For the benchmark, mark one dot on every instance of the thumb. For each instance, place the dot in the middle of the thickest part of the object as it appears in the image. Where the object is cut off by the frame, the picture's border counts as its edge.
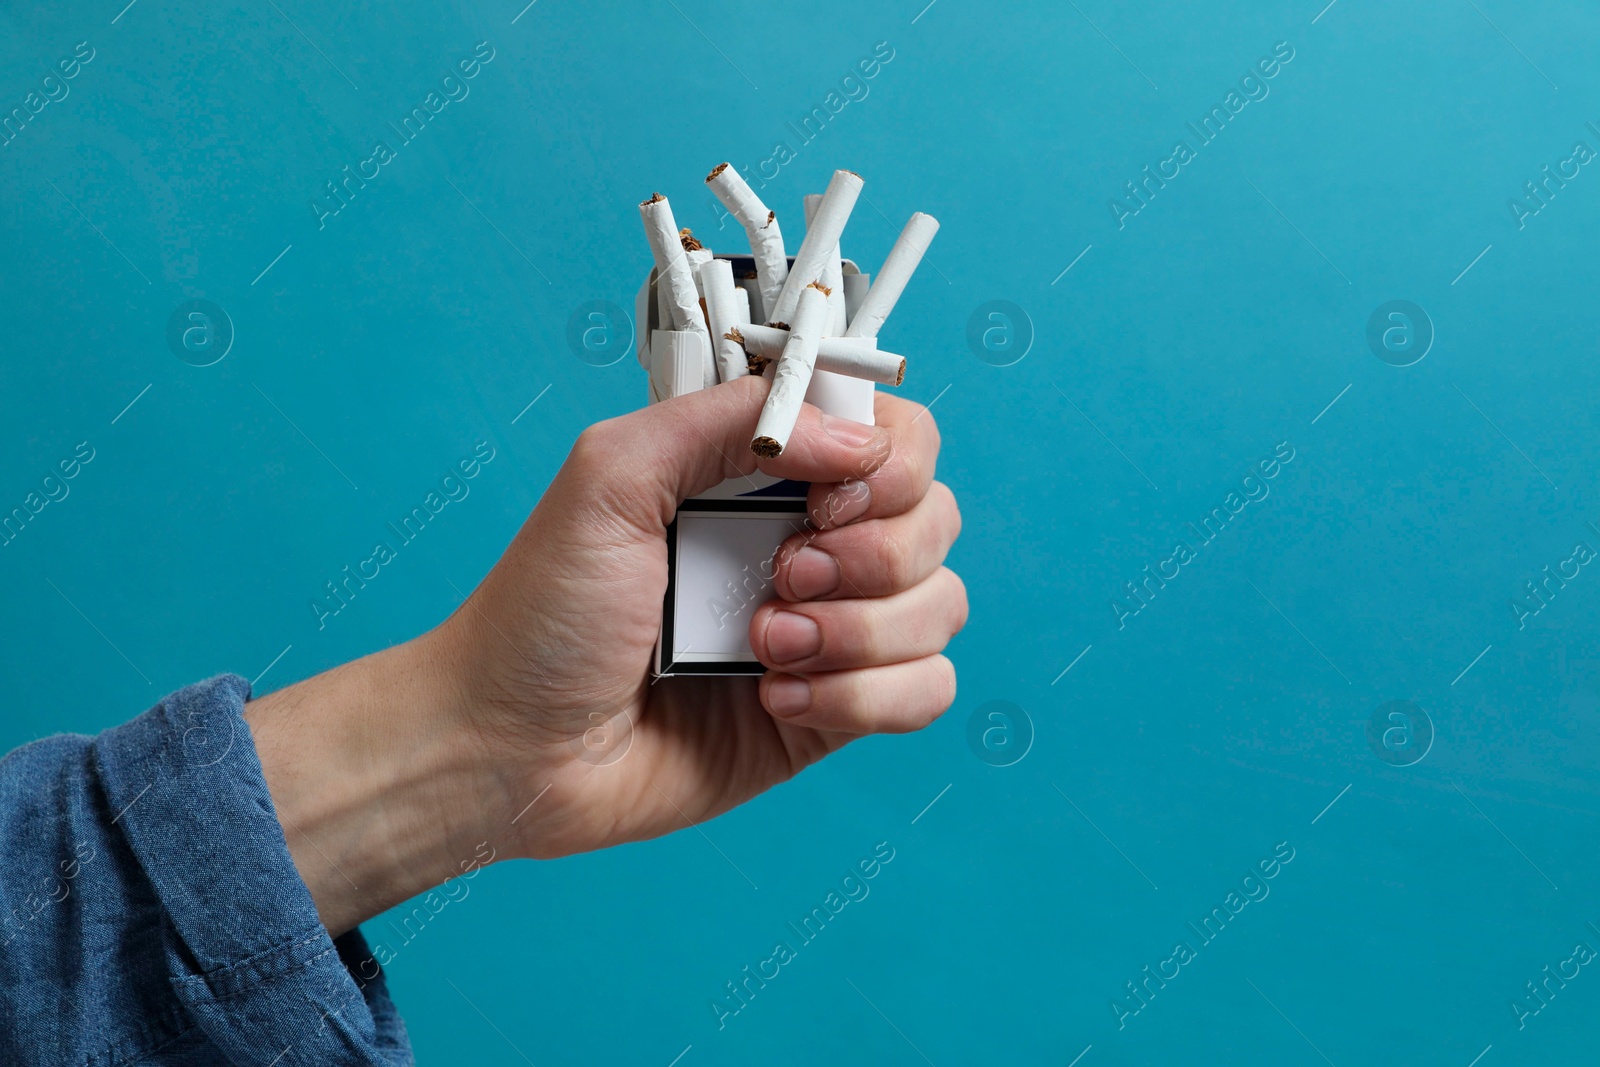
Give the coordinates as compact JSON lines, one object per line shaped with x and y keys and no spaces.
{"x":639,"y":467}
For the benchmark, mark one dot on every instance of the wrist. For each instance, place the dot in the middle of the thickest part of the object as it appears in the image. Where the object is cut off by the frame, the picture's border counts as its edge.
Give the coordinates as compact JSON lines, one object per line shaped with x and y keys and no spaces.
{"x":379,"y":784}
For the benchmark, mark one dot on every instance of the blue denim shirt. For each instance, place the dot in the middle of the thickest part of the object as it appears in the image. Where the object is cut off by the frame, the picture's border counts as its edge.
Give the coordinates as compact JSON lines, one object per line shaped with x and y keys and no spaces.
{"x":150,"y":913}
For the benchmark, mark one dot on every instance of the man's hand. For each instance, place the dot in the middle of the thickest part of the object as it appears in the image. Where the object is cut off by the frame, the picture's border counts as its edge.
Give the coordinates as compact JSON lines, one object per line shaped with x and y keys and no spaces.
{"x":529,"y":719}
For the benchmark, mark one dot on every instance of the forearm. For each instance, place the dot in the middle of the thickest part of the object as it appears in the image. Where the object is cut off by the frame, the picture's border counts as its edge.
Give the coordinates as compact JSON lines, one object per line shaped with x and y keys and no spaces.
{"x":378,"y":781}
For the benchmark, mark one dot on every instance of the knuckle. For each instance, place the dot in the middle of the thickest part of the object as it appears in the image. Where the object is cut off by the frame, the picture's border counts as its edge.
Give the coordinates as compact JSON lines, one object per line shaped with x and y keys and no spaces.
{"x":839,"y":692}
{"x":916,"y":471}
{"x":862,"y":630}
{"x":949,"y":510}
{"x":835,"y":499}
{"x":879,"y":451}
{"x":893,"y":566}
{"x":593,"y":446}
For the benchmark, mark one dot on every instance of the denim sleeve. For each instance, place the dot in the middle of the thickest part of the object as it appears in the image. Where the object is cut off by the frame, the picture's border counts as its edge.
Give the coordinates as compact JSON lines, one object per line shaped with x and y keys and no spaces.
{"x":150,"y":912}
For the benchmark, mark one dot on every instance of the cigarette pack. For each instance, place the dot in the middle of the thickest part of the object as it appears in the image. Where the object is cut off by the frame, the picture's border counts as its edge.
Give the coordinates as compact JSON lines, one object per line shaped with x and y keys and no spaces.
{"x":809,"y":323}
{"x":721,"y":546}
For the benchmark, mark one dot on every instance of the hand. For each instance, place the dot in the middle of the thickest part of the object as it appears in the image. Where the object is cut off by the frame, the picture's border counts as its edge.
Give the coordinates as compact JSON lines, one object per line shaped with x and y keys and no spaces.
{"x":534,"y":706}
{"x":565,"y":626}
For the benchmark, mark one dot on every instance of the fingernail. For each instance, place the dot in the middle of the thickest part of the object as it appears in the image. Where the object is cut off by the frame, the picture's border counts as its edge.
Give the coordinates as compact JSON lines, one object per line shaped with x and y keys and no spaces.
{"x":812,"y":573}
{"x":792,"y":636}
{"x":848,"y":431}
{"x":848,"y":502}
{"x":788,"y":695}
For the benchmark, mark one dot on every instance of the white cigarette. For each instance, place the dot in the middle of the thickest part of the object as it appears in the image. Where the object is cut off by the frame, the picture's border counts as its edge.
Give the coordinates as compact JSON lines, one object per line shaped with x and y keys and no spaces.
{"x":696,"y":253}
{"x":644,"y":311}
{"x":722,"y":315}
{"x":760,"y":226}
{"x":793,"y":375}
{"x":663,"y":319}
{"x":856,"y":285}
{"x":696,"y":260}
{"x":848,"y":394}
{"x":821,"y":239}
{"x":897,"y":270}
{"x":857,"y":357}
{"x":672,"y":268}
{"x":751,"y":287}
{"x":752,"y":364}
{"x":832,"y":276}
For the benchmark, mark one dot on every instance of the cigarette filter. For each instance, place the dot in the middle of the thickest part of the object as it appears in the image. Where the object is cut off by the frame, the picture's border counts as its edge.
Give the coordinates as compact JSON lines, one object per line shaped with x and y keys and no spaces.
{"x":722,"y":314}
{"x":818,"y":248}
{"x":793,"y":376}
{"x":897,"y":270}
{"x":760,"y":226}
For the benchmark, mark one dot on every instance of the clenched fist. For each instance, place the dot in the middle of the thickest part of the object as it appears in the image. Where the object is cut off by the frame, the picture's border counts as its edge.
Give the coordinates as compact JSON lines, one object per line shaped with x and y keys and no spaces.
{"x":486,"y":728}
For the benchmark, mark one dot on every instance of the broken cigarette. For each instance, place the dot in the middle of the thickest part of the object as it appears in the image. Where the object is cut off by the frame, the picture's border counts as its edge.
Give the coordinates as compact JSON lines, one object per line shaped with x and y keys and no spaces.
{"x":693,"y":251}
{"x":844,"y":395}
{"x":760,"y":226}
{"x":754,"y":364}
{"x":832,"y":276}
{"x":822,"y":238}
{"x":856,"y":285}
{"x":891,"y":281}
{"x":782,"y":409}
{"x":857,"y":357}
{"x":672,"y":266}
{"x":751,"y":288}
{"x":722,"y":313}
{"x":698,"y":255}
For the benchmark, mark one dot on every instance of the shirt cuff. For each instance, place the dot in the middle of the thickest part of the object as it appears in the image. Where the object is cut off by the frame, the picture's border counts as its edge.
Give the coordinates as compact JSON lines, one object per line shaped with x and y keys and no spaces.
{"x":245,"y":951}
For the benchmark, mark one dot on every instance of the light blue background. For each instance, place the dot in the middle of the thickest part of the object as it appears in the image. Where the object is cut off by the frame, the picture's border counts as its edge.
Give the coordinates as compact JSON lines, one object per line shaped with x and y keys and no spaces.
{"x":1175,"y":353}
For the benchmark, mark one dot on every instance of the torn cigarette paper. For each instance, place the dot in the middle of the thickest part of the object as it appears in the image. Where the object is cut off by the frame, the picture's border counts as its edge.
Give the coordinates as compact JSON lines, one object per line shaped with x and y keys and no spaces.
{"x":760,"y":226}
{"x":675,"y":282}
{"x":857,"y":357}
